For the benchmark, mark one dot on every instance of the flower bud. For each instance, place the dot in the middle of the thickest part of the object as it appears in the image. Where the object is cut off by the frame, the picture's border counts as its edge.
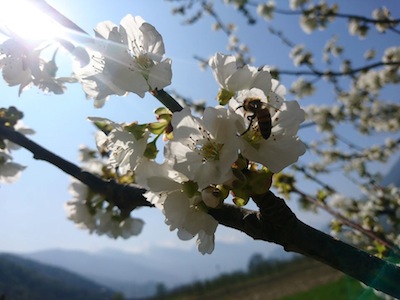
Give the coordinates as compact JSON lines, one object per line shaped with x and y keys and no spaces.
{"x":212,"y":196}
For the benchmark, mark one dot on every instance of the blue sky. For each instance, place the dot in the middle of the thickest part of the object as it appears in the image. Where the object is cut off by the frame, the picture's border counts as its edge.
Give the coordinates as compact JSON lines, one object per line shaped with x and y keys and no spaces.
{"x":32,"y":214}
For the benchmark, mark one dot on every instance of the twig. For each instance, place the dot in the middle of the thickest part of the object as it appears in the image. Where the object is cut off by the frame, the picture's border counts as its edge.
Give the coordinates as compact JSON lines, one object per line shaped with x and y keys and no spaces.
{"x":167,"y":100}
{"x":346,"y":221}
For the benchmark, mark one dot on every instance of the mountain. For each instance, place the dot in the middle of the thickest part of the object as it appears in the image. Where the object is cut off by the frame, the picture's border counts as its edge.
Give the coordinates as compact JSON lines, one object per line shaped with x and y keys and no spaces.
{"x":137,"y":274}
{"x":24,"y":279}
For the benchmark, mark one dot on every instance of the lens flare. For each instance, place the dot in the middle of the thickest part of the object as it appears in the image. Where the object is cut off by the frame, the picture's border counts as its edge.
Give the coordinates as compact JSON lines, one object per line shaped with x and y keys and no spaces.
{"x":23,"y":19}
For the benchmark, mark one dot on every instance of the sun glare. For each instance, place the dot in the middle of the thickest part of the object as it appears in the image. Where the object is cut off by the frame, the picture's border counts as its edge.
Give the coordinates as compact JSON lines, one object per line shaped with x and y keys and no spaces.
{"x":22,"y":18}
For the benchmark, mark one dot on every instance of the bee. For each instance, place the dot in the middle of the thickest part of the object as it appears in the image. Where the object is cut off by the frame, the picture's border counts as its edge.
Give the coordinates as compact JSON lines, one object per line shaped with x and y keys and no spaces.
{"x":260,"y":112}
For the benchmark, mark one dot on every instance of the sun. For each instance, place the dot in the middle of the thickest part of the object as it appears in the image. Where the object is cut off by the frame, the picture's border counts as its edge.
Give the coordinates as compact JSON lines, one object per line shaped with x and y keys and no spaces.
{"x":24,"y":19}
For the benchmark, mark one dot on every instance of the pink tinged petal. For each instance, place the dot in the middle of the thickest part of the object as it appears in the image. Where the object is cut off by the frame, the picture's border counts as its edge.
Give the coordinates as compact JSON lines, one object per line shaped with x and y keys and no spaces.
{"x":160,"y":75}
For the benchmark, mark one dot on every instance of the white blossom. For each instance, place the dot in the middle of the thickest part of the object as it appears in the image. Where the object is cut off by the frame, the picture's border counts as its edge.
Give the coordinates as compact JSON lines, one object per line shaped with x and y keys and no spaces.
{"x":22,"y":65}
{"x":369,"y":54}
{"x":391,"y":72}
{"x":203,"y":149}
{"x":370,"y":81}
{"x":283,"y":147}
{"x":9,"y":171}
{"x":184,"y":210}
{"x":77,"y":210}
{"x":83,"y":209}
{"x":125,"y":148}
{"x":382,"y":14}
{"x":232,"y":78}
{"x":22,"y":129}
{"x":236,"y":3}
{"x":356,"y":27}
{"x":295,"y":4}
{"x":308,"y":23}
{"x":128,"y":58}
{"x":302,"y":88}
{"x":300,"y":56}
{"x":266,"y":10}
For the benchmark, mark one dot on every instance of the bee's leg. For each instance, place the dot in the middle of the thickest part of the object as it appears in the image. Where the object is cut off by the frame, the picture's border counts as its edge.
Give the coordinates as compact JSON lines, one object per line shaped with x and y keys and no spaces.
{"x":251,"y":119}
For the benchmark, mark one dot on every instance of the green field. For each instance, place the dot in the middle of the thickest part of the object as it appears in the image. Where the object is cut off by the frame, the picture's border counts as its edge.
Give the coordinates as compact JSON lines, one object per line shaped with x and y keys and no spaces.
{"x":299,"y":279}
{"x":343,"y":289}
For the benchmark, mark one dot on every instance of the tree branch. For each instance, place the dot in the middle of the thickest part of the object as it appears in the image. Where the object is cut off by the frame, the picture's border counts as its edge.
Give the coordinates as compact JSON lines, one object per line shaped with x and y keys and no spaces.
{"x":336,"y":74}
{"x":126,"y":197}
{"x":348,"y":222}
{"x":275,"y":222}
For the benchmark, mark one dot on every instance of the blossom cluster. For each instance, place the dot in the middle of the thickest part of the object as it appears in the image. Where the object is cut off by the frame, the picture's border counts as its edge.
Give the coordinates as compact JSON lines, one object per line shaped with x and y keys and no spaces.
{"x":233,"y":148}
{"x":123,"y":59}
{"x":377,"y":210}
{"x":206,"y":157}
{"x":22,"y":65}
{"x":9,"y":170}
{"x":91,"y":211}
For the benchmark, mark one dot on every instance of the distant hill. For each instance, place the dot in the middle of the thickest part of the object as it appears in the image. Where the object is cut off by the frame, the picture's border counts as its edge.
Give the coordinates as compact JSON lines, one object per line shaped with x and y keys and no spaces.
{"x":24,"y":279}
{"x":137,"y":275}
{"x":264,"y":279}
